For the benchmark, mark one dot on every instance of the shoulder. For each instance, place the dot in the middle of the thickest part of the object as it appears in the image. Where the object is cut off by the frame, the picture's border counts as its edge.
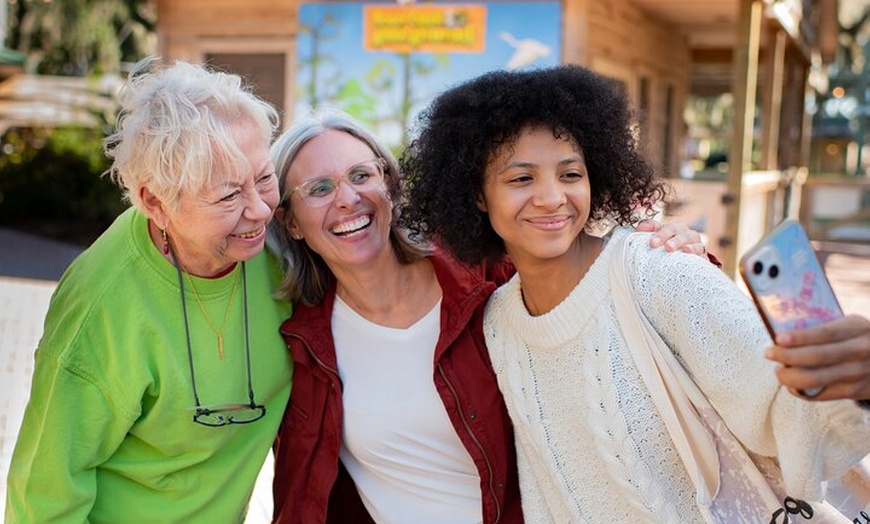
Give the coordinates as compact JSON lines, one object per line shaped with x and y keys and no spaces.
{"x":95,"y":279}
{"x":495,"y":271}
{"x":263,"y":276}
{"x":104,"y":298}
{"x":507,"y":298}
{"x":648,"y":264}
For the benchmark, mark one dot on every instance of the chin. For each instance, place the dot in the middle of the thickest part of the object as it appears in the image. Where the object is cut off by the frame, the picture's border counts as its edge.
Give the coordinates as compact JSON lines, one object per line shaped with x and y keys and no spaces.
{"x":247,"y":254}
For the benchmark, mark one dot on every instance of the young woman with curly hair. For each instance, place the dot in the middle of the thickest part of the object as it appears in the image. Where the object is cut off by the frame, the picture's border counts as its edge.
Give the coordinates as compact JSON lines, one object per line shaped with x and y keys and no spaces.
{"x":535,"y":165}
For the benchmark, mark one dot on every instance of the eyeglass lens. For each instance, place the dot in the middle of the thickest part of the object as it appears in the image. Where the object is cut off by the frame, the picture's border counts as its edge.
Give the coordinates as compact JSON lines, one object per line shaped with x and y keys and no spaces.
{"x":231,"y":414}
{"x":321,"y":191}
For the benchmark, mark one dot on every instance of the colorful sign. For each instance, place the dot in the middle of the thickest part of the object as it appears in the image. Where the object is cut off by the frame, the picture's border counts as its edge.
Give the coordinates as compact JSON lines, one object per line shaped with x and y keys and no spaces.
{"x":383,"y":62}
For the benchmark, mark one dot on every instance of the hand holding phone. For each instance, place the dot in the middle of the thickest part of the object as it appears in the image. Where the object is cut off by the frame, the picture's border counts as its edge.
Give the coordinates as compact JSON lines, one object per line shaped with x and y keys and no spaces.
{"x":787,"y":283}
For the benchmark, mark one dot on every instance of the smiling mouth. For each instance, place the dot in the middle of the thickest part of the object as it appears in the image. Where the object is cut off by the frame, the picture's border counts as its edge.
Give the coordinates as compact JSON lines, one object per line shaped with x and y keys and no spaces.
{"x":251,"y":234}
{"x":352,"y":226}
{"x":550,"y":222}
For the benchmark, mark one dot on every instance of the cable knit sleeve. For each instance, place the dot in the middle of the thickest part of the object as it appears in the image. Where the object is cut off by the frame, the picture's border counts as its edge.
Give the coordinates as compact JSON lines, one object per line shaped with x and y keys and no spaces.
{"x":713,"y":328}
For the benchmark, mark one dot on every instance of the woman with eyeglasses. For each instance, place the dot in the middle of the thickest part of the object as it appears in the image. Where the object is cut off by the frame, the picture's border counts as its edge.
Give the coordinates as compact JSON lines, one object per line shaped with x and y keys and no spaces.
{"x":395,"y":414}
{"x":161,"y":377}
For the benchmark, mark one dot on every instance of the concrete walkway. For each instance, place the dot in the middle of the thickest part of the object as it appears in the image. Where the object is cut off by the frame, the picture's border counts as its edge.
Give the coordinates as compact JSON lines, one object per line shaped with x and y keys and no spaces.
{"x":29,"y":270}
{"x":32,"y":257}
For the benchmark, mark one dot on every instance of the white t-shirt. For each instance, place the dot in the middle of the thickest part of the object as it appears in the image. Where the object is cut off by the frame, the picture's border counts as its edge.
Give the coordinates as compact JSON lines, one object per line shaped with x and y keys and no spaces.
{"x":398,"y":443}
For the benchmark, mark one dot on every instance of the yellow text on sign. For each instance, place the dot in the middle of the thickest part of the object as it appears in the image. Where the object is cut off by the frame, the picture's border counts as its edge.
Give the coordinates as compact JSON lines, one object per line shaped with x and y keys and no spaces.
{"x":424,"y":28}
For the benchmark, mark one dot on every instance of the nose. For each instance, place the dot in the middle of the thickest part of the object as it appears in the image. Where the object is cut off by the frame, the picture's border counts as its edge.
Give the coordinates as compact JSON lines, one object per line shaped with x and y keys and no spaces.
{"x":548,"y":193}
{"x":345,"y":194}
{"x":260,"y":206}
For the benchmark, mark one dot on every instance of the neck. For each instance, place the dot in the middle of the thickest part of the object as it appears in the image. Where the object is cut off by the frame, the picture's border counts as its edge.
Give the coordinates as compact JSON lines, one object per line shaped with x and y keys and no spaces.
{"x":188,"y":264}
{"x":396,"y":295}
{"x":546,"y":283}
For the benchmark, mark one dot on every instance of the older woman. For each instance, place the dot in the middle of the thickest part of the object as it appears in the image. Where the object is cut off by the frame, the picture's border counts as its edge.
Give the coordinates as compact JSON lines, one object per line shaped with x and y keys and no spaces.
{"x":161,"y":378}
{"x":395,"y":414}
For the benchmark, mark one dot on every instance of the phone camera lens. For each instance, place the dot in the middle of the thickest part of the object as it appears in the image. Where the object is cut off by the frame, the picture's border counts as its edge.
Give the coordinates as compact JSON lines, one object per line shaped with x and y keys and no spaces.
{"x":758,"y":268}
{"x":773,"y":272}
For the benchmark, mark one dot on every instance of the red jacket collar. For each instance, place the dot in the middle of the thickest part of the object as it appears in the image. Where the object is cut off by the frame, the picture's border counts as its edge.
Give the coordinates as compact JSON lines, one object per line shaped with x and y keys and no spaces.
{"x":463,"y":288}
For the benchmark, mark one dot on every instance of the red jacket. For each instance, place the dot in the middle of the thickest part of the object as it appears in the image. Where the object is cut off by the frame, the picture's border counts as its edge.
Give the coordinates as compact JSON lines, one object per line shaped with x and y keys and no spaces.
{"x":311,"y":486}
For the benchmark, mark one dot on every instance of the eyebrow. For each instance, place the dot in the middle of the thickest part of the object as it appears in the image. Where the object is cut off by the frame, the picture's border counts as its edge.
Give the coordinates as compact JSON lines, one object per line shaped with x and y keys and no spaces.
{"x":562,"y":163}
{"x":359,"y":164}
{"x":346,"y":171}
{"x":232,"y":183}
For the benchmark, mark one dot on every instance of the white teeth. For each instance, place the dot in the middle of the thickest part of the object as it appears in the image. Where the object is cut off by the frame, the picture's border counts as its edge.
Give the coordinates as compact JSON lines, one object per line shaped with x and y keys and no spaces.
{"x":352,"y":225}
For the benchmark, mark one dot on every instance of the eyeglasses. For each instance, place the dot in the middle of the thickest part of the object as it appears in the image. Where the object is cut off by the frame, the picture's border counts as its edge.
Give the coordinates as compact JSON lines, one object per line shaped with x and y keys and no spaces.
{"x":320,"y":192}
{"x":221,"y":414}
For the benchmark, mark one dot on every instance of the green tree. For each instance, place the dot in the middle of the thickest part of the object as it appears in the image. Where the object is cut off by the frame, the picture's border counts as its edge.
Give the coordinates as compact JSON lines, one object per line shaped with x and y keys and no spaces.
{"x":51,"y":183}
{"x":81,"y":37}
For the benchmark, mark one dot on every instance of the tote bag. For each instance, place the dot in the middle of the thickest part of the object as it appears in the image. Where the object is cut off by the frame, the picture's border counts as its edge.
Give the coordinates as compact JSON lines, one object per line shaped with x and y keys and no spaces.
{"x":732,"y":485}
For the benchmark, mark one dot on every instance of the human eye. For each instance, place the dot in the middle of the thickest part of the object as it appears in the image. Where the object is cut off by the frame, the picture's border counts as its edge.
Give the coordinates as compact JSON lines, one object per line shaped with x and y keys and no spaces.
{"x":359,"y":176}
{"x":230,"y":197}
{"x":519,"y":179}
{"x":319,"y":188}
{"x":573,"y":176}
{"x":266,"y":179}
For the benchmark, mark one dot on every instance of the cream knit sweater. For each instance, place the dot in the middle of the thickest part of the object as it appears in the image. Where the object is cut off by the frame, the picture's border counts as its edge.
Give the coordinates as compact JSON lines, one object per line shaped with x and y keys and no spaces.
{"x":590,"y":445}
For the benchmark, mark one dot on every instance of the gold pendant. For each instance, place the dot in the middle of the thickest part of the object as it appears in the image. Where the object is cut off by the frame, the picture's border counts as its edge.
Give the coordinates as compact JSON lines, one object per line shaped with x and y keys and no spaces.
{"x":221,"y":346}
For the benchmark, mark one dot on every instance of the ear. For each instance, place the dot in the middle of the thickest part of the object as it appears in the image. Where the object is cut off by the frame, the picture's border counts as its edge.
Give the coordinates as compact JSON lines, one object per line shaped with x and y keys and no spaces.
{"x":279,"y":214}
{"x":290,"y":224}
{"x":480,"y":202}
{"x":156,"y":210}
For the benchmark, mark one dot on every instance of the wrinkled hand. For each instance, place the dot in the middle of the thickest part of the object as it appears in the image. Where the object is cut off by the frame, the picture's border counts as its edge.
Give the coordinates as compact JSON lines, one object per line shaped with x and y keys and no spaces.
{"x":835,"y":356}
{"x":675,"y":236}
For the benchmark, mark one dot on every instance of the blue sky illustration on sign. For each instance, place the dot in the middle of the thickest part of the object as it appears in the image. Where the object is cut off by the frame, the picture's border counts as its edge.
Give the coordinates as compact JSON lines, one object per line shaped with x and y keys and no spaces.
{"x":383,"y":62}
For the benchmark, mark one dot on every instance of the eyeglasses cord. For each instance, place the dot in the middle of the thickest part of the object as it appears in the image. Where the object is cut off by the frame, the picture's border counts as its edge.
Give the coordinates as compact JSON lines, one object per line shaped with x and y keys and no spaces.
{"x":187,"y":329}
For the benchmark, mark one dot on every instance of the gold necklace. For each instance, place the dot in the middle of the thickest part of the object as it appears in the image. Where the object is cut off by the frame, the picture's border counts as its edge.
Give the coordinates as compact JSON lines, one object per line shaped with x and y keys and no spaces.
{"x":218,"y":332}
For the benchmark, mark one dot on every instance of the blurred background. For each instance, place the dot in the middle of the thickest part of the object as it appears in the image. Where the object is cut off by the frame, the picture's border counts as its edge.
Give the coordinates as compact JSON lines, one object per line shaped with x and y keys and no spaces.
{"x":754,"y":110}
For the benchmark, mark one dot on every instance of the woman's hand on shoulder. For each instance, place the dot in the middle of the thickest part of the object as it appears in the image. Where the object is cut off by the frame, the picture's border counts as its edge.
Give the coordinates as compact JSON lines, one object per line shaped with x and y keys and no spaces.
{"x":674,"y":236}
{"x":834,"y":356}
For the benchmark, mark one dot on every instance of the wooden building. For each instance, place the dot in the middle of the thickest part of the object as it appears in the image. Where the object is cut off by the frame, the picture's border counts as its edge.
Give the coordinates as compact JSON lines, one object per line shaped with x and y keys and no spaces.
{"x":767,"y":53}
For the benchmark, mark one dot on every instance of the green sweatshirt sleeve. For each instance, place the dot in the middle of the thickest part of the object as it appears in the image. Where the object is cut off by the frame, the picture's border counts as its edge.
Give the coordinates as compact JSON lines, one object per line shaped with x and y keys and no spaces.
{"x":70,"y":427}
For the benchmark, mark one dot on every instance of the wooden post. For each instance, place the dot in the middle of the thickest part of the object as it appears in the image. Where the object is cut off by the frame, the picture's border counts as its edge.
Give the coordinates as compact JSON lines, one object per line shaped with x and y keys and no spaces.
{"x":740,"y":154}
{"x":575,"y":32}
{"x":773,"y":99}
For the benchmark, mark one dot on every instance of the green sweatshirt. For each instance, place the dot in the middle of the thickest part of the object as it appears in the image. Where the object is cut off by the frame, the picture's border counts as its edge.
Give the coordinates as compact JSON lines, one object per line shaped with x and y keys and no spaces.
{"x":108,"y":434}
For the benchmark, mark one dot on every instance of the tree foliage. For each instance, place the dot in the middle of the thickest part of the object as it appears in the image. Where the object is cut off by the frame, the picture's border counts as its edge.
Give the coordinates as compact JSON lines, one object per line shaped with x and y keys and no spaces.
{"x":51,"y":183}
{"x":80,"y":37}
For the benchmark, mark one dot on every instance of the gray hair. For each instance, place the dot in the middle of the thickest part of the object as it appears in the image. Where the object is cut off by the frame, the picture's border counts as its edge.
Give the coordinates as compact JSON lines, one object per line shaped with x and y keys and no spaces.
{"x":174,"y":129}
{"x":306,"y":275}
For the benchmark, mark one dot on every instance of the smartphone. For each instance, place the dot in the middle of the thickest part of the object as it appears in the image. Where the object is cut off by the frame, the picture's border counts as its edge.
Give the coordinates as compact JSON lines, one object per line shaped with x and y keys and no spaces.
{"x":787,"y":283}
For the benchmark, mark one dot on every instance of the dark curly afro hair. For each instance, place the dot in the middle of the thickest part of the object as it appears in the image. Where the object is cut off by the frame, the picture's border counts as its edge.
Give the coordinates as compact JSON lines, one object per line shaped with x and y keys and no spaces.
{"x":467,"y":125}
